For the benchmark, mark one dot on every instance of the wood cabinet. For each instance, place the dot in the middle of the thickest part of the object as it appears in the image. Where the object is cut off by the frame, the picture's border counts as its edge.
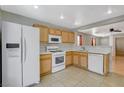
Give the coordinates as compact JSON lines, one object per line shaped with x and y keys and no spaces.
{"x":84,"y":60}
{"x":68,"y":37}
{"x":45,"y":64}
{"x":64,"y":36}
{"x":43,"y":34}
{"x":71,"y":37}
{"x":80,"y":59}
{"x":55,"y":32}
{"x":44,"y":31}
{"x":76,"y":58}
{"x":106,"y":64}
{"x":68,"y":58}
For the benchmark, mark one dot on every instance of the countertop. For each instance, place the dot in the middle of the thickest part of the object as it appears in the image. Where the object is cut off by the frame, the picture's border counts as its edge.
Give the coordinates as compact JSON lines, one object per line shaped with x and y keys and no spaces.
{"x":43,"y":53}
{"x":92,"y":52}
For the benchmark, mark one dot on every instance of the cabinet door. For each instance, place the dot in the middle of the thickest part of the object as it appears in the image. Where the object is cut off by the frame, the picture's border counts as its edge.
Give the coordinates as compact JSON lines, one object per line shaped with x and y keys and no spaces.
{"x":52,"y":31}
{"x":65,"y":37}
{"x":106,"y":64}
{"x":45,"y":64}
{"x":71,"y":36}
{"x":58,"y":32}
{"x":68,"y":60}
{"x":76,"y":59}
{"x":83,"y":61}
{"x":43,"y":34}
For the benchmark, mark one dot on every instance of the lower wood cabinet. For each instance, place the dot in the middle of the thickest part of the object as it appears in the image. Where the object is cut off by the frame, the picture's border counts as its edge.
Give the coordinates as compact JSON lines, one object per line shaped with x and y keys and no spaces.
{"x":68,"y":58}
{"x":84,"y":60}
{"x":76,"y":58}
{"x":80,"y":59}
{"x":106,"y":64}
{"x":45,"y":64}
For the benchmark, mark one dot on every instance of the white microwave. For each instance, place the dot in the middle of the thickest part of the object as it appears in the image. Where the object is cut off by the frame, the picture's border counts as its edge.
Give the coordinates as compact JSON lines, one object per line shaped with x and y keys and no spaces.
{"x":54,"y":39}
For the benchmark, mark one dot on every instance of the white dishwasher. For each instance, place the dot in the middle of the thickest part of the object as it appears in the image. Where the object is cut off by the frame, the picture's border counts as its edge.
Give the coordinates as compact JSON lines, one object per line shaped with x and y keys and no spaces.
{"x":95,"y":63}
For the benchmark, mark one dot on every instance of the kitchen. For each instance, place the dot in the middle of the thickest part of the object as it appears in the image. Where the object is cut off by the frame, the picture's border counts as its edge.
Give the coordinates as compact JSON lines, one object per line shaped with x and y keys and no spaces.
{"x":62,"y":49}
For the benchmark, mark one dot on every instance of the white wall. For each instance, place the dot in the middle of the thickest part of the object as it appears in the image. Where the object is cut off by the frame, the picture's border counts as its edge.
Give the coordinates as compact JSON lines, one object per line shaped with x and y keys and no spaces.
{"x":110,"y":41}
{"x":104,"y":41}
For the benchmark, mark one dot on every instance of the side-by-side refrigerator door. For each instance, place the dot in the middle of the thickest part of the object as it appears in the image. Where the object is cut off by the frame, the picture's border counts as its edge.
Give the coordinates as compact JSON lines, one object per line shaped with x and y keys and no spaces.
{"x":31,"y":48}
{"x":11,"y":54}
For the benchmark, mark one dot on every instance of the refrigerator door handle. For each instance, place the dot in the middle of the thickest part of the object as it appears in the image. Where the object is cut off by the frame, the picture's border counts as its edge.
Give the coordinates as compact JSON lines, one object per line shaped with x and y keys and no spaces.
{"x":25,"y":50}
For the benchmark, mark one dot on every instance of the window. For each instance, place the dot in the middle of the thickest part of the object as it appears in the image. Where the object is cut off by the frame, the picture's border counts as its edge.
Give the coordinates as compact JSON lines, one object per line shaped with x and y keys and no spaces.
{"x":93,"y":41}
{"x":79,"y":40}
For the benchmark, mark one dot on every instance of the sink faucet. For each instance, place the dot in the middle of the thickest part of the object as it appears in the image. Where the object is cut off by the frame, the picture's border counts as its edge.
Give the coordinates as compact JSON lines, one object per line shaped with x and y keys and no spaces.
{"x":83,"y":48}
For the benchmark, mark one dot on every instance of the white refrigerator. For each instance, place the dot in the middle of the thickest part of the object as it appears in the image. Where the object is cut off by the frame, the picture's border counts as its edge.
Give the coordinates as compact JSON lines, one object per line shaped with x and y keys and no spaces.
{"x":20,"y":55}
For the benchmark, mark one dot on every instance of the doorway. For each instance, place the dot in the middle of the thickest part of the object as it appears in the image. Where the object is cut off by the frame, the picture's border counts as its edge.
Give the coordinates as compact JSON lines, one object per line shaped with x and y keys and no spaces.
{"x":119,"y":43}
{"x":118,"y":60}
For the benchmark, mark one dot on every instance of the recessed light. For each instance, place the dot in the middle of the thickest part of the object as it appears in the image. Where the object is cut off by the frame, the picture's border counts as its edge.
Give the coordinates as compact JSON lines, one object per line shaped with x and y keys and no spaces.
{"x":61,"y":17}
{"x":77,"y":23}
{"x":36,"y":7}
{"x":109,"y":11}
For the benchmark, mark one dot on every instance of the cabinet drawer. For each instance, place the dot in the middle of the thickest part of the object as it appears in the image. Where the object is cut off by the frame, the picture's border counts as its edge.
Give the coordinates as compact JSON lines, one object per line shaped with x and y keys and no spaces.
{"x":76,"y":53}
{"x":45,"y":56}
{"x":69,"y":53}
{"x":84,"y":54}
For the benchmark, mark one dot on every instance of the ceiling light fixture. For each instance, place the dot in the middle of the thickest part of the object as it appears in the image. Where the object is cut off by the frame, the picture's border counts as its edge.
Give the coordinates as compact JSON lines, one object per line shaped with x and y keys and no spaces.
{"x":36,"y":7}
{"x":109,"y":11}
{"x":61,"y":17}
{"x":76,"y":23}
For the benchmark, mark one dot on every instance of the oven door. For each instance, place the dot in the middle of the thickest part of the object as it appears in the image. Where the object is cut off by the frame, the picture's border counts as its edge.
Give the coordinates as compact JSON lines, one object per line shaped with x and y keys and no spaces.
{"x":54,"y":39}
{"x":58,"y":60}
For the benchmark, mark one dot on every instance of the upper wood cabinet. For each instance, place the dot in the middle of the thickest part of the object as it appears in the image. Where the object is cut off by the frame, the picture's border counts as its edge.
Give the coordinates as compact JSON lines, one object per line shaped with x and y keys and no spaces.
{"x":64,"y":37}
{"x":71,"y":37}
{"x":68,"y":37}
{"x":55,"y":32}
{"x":44,"y":31}
{"x":44,"y":34}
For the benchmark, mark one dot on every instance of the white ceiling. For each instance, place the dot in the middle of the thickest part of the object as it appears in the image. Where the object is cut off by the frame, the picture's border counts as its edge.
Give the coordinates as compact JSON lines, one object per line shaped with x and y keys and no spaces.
{"x":74,"y":16}
{"x":104,"y":31}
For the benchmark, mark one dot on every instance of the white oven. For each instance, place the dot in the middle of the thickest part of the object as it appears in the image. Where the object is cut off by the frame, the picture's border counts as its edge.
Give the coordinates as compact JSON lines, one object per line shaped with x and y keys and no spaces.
{"x":58,"y":61}
{"x":58,"y":58}
{"x":54,"y":39}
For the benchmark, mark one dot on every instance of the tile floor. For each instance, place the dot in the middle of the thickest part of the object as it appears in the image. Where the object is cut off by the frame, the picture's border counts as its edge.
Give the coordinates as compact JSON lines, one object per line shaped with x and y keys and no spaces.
{"x":75,"y":77}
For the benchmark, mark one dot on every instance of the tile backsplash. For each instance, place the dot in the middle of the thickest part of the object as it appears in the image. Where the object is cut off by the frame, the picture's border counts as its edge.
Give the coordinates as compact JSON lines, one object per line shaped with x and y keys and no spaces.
{"x":62,"y":46}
